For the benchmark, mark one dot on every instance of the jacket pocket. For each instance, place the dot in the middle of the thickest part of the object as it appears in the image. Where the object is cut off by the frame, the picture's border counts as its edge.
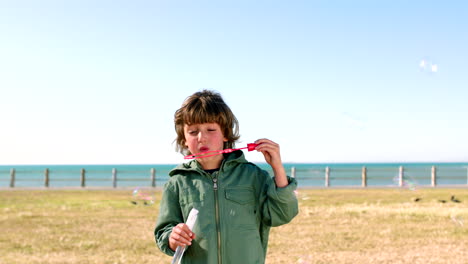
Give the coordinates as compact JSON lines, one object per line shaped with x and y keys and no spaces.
{"x":240,"y":207}
{"x":241,"y":195}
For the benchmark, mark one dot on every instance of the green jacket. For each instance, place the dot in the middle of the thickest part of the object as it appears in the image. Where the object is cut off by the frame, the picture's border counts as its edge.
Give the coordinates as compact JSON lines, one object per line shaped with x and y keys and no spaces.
{"x":237,"y":206}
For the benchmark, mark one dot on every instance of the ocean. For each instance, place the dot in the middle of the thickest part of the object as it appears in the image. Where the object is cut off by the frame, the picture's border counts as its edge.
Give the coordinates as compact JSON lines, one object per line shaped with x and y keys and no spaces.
{"x":410,"y":175}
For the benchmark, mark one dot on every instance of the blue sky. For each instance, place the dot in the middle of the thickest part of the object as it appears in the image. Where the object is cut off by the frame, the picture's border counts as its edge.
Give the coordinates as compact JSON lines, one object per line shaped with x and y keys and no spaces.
{"x":97,"y":82}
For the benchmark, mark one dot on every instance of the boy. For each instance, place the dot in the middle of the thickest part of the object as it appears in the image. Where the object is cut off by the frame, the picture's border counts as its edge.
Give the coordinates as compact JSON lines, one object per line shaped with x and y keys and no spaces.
{"x":237,"y":201}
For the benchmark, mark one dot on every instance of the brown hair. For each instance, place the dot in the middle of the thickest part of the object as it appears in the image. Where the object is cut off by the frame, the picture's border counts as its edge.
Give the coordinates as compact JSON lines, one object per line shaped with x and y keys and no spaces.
{"x":205,"y":107}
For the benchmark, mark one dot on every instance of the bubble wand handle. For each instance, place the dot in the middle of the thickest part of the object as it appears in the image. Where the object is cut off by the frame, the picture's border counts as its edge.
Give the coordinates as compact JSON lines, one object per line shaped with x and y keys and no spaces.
{"x":192,"y":218}
{"x":250,"y":147}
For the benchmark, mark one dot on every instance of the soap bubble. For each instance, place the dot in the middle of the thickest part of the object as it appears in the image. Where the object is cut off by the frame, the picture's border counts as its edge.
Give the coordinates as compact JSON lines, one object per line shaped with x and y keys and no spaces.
{"x":353,"y":121}
{"x":457,"y":220}
{"x":428,"y":66}
{"x":307,"y":259}
{"x":407,"y":182}
{"x":301,"y":196}
{"x":141,"y":195}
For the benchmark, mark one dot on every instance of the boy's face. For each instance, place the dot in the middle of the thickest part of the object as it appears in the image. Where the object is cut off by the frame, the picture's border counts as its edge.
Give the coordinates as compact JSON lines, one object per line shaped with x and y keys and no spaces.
{"x":204,"y":137}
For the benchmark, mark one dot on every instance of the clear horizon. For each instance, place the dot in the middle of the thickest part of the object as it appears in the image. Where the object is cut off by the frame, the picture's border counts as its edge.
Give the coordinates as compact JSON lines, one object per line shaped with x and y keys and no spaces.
{"x":332,"y":82}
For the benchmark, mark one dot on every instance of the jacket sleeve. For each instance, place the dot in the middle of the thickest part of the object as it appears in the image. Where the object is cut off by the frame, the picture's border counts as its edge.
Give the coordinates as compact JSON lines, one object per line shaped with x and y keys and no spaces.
{"x":169,"y":216}
{"x":280,"y":205}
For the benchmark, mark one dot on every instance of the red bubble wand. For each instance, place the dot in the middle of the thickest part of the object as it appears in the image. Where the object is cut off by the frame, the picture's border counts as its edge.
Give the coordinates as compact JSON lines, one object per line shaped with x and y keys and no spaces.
{"x":250,"y":147}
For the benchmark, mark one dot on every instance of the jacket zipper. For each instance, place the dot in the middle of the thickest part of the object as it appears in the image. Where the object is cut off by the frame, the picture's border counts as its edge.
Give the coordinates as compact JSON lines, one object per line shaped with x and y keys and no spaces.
{"x":215,"y":188}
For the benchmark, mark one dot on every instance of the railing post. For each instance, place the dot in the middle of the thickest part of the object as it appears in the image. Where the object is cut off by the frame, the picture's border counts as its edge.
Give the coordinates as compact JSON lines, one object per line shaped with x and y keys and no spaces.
{"x":114,"y":178}
{"x":364,"y":177}
{"x":12,"y":178}
{"x":433,"y":176}
{"x":400,"y":177}
{"x":83,"y":178}
{"x":327,"y":176}
{"x":293,"y":172}
{"x":153,"y":177}
{"x":46,"y":178}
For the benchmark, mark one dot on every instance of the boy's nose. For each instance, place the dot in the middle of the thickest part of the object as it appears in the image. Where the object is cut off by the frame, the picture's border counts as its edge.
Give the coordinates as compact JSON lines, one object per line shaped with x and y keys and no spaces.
{"x":201,"y":136}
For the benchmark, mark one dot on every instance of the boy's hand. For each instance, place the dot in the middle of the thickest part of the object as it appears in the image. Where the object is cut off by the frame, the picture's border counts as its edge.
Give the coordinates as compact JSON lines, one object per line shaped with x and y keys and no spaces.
{"x":271,"y":152}
{"x":180,"y":236}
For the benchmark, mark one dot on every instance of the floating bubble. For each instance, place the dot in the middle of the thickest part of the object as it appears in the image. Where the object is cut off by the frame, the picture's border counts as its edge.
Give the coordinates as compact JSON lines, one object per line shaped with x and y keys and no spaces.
{"x":307,"y":259}
{"x":410,"y":185}
{"x":428,"y":66}
{"x":143,"y":196}
{"x":353,"y":121}
{"x":407,"y":182}
{"x":301,"y":195}
{"x":457,"y":220}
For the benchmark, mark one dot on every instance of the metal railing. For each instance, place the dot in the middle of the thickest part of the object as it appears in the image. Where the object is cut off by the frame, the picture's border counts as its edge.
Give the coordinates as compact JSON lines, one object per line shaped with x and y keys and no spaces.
{"x":396,"y":176}
{"x":321,"y":176}
{"x":84,"y":177}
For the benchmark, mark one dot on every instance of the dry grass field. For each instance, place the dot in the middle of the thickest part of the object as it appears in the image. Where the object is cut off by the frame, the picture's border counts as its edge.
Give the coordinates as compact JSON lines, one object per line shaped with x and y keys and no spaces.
{"x":333,"y":226}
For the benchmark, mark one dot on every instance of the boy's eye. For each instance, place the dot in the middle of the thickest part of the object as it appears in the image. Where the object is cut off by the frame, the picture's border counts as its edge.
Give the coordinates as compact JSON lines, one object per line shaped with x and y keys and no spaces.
{"x":193,"y":132}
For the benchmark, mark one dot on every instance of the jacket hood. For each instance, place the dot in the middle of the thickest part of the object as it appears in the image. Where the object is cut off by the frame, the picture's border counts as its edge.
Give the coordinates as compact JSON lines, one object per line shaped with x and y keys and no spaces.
{"x":230,"y":159}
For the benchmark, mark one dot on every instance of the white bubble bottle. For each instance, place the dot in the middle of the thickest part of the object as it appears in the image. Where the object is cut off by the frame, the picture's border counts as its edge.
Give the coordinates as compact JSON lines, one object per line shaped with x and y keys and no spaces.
{"x":192,"y":218}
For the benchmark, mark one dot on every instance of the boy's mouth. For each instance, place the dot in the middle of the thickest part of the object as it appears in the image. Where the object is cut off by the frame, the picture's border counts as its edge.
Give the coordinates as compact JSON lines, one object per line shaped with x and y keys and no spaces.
{"x":203,"y":149}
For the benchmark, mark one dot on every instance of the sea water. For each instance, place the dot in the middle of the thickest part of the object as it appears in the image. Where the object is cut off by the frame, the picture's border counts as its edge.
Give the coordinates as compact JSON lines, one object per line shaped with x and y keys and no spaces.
{"x":307,"y":174}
